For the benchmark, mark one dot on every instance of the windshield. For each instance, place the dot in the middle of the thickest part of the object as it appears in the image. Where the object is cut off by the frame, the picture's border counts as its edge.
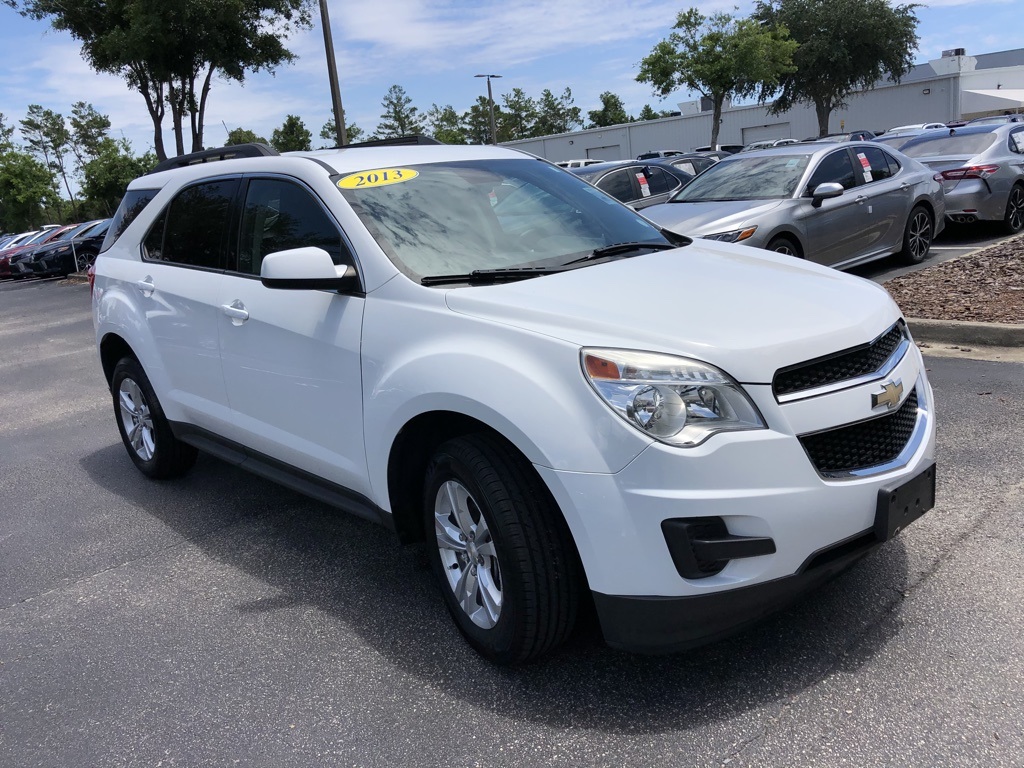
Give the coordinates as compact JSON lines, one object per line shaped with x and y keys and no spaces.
{"x":958,"y":144}
{"x":454,"y":218}
{"x":769,"y":177}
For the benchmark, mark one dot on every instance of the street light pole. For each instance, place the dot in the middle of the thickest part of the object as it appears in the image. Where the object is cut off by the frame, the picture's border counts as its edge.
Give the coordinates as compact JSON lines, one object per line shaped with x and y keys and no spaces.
{"x":332,"y":73}
{"x":490,"y":103}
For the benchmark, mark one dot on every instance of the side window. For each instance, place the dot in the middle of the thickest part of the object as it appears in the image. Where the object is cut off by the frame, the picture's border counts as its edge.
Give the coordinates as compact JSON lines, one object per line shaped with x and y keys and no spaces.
{"x":1017,"y":141}
{"x":132,"y":204}
{"x":618,"y":185}
{"x":835,"y":168}
{"x":279,"y":215}
{"x":873,"y":164}
{"x":894,"y":164}
{"x":686,"y":165}
{"x":659,"y":181}
{"x":194,"y":226}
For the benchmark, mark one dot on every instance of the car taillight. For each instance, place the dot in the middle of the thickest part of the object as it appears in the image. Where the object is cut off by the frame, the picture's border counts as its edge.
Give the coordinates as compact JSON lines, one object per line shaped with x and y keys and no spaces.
{"x":970,"y":172}
{"x":91,"y":272}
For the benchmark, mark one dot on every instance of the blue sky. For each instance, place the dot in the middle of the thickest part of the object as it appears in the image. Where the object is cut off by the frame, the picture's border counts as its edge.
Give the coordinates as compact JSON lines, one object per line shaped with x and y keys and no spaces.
{"x":433,"y":48}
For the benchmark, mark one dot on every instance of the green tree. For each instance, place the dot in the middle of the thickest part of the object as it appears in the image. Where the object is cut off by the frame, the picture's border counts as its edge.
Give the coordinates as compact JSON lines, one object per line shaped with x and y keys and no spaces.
{"x":648,"y":113}
{"x":89,"y":130}
{"x":6,"y":134}
{"x":446,"y":124}
{"x":612,"y":112}
{"x":556,"y":114}
{"x":109,"y":172}
{"x":477,"y":122}
{"x":718,"y":56}
{"x":27,"y":189}
{"x":292,"y":136}
{"x":170,"y":51}
{"x":329,"y":133}
{"x":243,"y":136}
{"x":399,"y":118}
{"x":47,"y":136}
{"x":845,"y":46}
{"x":520,"y":114}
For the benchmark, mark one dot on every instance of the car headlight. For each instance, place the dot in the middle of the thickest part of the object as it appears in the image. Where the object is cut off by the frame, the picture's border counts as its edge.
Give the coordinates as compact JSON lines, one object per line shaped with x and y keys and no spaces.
{"x":735,"y":236}
{"x":676,"y":400}
{"x":62,"y":249}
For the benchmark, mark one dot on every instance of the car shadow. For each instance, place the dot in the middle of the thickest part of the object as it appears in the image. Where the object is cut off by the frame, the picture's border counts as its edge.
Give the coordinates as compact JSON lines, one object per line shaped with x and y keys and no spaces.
{"x":354,"y":572}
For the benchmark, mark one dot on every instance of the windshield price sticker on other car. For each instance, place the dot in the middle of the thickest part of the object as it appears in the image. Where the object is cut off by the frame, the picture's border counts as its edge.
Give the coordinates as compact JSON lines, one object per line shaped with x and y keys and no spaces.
{"x":379,"y":177}
{"x":866,"y":165}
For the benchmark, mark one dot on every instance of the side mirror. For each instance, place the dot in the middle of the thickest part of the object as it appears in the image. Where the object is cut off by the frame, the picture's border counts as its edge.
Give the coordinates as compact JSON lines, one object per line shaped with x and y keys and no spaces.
{"x":825,"y":191}
{"x":306,"y":269}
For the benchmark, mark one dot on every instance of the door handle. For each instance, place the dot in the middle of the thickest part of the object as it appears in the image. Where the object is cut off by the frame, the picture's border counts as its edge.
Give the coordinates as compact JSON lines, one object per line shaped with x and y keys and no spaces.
{"x":861,"y":199}
{"x":146,"y":286}
{"x":236,"y":311}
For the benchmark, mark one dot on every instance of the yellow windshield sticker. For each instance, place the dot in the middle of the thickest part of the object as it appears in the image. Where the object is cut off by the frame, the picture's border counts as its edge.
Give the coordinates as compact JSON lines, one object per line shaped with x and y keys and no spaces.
{"x":378,"y":177}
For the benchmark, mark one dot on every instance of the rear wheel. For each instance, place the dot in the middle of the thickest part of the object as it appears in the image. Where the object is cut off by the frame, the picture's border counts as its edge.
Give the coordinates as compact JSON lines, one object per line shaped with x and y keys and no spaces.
{"x":783,"y":245}
{"x":144,"y":429}
{"x":917,"y":236}
{"x":501,"y":550}
{"x":1013,"y":221}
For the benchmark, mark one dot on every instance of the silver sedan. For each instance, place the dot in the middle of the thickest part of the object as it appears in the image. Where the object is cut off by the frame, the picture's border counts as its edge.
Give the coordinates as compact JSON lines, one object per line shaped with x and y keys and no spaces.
{"x":835,"y":205}
{"x":982,"y":170}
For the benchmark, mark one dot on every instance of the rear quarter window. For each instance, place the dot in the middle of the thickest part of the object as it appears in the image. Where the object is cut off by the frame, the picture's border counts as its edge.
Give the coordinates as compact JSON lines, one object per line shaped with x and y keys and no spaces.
{"x":132,"y":204}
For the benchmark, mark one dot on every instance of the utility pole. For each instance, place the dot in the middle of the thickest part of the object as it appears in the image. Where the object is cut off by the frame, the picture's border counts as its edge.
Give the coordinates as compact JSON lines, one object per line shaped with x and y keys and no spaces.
{"x":490,"y":103}
{"x":332,"y":73}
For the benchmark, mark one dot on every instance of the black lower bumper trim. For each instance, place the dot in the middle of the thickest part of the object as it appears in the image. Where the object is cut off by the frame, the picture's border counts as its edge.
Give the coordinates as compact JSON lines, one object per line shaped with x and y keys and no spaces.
{"x":667,"y":624}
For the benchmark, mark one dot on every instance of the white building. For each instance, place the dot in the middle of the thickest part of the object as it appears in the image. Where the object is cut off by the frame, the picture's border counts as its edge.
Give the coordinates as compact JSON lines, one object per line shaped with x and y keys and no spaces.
{"x":953,"y":87}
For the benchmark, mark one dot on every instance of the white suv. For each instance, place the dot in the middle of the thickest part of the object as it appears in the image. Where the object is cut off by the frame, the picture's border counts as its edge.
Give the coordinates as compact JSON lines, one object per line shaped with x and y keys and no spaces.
{"x":480,"y":350}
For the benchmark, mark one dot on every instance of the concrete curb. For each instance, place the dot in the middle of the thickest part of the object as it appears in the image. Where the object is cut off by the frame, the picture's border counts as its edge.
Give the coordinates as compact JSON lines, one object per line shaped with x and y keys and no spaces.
{"x":75,"y":278}
{"x":966,"y":333}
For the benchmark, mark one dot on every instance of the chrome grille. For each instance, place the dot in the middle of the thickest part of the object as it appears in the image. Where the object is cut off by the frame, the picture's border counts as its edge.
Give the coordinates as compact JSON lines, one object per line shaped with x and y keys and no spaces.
{"x":841,"y":366}
{"x":865,"y":444}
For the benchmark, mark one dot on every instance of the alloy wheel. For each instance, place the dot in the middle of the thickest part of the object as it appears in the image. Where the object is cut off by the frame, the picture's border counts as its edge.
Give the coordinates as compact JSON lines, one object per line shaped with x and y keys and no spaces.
{"x":920,"y":235}
{"x":1015,"y":209}
{"x":136,"y":418}
{"x":468,"y":554}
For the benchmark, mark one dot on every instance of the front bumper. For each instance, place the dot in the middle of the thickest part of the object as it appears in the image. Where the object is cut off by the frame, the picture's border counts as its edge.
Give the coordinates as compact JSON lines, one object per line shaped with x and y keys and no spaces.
{"x":762,"y":486}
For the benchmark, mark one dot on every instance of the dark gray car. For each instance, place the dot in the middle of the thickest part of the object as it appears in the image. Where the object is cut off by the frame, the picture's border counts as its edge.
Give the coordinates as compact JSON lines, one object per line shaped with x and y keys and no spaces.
{"x":838,"y":205}
{"x":637,"y":183}
{"x":982,"y":171}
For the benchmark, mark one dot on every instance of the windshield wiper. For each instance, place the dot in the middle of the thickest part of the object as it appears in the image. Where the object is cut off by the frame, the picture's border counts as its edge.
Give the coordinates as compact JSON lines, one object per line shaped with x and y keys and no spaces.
{"x":621,"y":248}
{"x":491,"y":276}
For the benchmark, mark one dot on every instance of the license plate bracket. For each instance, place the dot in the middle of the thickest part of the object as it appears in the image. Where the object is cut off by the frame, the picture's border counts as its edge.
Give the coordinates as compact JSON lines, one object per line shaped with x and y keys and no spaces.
{"x":899,"y":506}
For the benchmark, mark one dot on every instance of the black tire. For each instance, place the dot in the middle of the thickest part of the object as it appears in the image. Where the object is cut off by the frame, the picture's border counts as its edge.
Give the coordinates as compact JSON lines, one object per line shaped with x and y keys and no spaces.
{"x":524,"y":550}
{"x":144,"y":429}
{"x":784,"y":246}
{"x":917,"y":235}
{"x":84,"y":260}
{"x":1013,"y":220}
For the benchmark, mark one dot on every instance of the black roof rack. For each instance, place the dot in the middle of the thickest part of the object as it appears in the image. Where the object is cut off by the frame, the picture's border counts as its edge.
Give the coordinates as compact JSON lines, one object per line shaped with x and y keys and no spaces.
{"x":397,"y":141}
{"x":212,"y":155}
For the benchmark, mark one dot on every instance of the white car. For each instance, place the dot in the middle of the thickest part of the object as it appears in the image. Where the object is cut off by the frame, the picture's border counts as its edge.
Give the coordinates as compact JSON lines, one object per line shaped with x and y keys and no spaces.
{"x":476,"y":349}
{"x":578,"y":163}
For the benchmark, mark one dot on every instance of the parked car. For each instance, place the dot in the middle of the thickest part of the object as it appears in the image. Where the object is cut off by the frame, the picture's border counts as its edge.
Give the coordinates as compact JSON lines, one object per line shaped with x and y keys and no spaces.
{"x":73,"y":252}
{"x":636,"y":183}
{"x":19,"y":262}
{"x":540,"y":384}
{"x":835,"y":205}
{"x":14,"y":252}
{"x":578,"y":163}
{"x":756,"y":145}
{"x":996,"y":120}
{"x":914,"y":127}
{"x":660,"y":153}
{"x":898,"y":139}
{"x":982,"y":171}
{"x":690,"y":162}
{"x":729,"y":149}
{"x":846,"y":136}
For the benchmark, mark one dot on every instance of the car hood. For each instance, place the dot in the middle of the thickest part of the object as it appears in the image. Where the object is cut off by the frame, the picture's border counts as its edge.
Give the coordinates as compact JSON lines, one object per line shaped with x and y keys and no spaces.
{"x":746,"y":311}
{"x":698,"y":219}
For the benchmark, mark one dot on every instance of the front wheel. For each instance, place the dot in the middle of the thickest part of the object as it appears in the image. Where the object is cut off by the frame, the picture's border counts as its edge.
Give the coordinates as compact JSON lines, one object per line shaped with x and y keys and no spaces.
{"x":509,"y":573}
{"x":784,"y":246}
{"x":1013,"y":220}
{"x":144,"y":429}
{"x":917,"y":236}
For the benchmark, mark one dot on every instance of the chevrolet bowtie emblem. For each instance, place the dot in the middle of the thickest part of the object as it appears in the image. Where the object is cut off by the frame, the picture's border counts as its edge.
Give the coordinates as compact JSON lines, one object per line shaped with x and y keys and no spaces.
{"x":889,"y":396}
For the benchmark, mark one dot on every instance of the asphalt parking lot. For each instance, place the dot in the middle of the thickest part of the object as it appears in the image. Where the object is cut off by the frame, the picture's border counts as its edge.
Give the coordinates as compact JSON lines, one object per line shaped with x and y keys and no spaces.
{"x":222,"y":620}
